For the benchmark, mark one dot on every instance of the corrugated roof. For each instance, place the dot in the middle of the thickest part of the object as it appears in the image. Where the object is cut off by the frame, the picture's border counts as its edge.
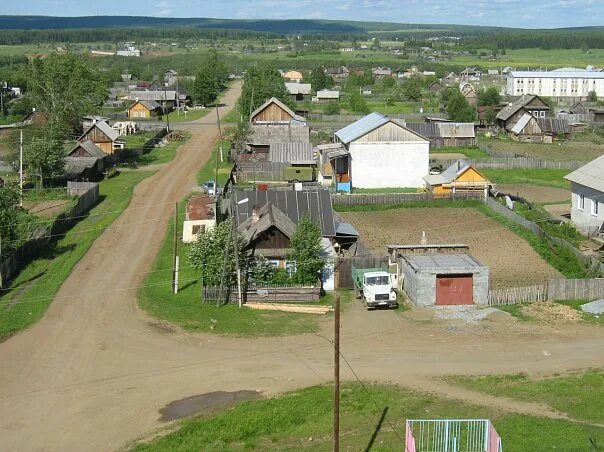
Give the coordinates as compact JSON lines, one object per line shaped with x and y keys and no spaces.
{"x":521,"y":124}
{"x":328,"y":94}
{"x":448,"y":175}
{"x":442,"y":261}
{"x":91,"y":149}
{"x":361,"y":127}
{"x":456,"y":129}
{"x":560,"y":73}
{"x":298,"y":88}
{"x":265,"y":134}
{"x":425,"y":129}
{"x":290,"y":152}
{"x":103,"y":127}
{"x":553,"y":125}
{"x":315,"y":204}
{"x":159,"y":95}
{"x":590,"y":175}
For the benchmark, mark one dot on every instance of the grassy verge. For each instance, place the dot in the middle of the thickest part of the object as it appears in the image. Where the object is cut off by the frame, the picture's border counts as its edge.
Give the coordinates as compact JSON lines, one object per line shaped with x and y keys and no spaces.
{"x":208,"y":172}
{"x":302,"y":421}
{"x":564,"y":231}
{"x":470,"y":152}
{"x":163,"y":154}
{"x":35,"y":287}
{"x":545,"y":177}
{"x":579,"y":395}
{"x":386,"y":190}
{"x":407,"y":205}
{"x":192,"y":115}
{"x":186,"y":309}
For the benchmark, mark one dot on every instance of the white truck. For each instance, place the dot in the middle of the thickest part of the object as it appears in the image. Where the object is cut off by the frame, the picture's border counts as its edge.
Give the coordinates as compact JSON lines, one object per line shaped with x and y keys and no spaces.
{"x":375,"y":286}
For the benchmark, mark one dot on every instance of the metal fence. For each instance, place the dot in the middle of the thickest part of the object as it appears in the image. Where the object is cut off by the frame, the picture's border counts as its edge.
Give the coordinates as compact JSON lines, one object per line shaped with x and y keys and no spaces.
{"x":451,"y":435}
{"x":399,"y":198}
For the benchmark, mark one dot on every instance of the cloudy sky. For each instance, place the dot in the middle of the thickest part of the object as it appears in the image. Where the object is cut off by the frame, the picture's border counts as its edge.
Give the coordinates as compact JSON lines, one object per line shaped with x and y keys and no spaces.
{"x":514,"y":13}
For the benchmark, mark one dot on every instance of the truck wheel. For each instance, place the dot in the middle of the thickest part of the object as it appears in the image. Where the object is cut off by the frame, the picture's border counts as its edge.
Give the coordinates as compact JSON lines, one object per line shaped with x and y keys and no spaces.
{"x":357,"y":294}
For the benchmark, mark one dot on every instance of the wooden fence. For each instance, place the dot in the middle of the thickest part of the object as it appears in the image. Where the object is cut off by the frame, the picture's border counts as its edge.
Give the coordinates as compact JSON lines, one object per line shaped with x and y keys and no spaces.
{"x":345,"y":264}
{"x":410,"y":117}
{"x":259,"y":176}
{"x":514,"y":295}
{"x":516,"y":163}
{"x":399,"y":198}
{"x":264,"y":293}
{"x":552,"y":290}
{"x":41,"y":237}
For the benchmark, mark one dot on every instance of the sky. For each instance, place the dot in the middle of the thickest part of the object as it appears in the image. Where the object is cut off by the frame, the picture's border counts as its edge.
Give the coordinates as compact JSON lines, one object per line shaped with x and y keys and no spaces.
{"x":510,"y":13}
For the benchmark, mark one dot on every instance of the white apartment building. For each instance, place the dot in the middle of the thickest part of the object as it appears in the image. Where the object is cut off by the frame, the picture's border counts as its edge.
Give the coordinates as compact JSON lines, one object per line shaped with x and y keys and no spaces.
{"x":560,"y":83}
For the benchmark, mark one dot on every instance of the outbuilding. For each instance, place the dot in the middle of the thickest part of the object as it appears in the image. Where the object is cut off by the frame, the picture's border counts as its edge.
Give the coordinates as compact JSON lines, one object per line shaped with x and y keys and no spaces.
{"x":200,"y":217}
{"x":443,"y":279}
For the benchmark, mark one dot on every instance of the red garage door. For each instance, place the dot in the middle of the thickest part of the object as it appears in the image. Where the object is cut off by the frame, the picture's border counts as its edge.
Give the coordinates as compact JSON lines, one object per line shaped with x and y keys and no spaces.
{"x":454,"y":289}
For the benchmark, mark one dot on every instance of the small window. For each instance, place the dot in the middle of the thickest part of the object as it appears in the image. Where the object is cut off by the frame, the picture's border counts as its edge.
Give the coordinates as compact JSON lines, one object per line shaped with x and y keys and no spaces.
{"x":543,"y":114}
{"x":199,"y":229}
{"x":581,"y":202}
{"x":594,"y":207}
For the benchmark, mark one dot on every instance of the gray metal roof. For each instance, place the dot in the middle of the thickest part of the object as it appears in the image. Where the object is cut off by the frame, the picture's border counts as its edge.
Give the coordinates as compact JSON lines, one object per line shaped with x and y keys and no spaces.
{"x":521,"y":124}
{"x":265,"y":134}
{"x":92,"y":149}
{"x":456,"y":129}
{"x":328,"y":94}
{"x":103,"y":127}
{"x":563,"y":73}
{"x":448,"y":175}
{"x":361,"y":127}
{"x":590,"y":175}
{"x":425,"y":129}
{"x":159,"y":95}
{"x":315,"y":204}
{"x":442,"y":262}
{"x":553,"y":125}
{"x":346,"y":229}
{"x":298,"y":88}
{"x":290,"y":152}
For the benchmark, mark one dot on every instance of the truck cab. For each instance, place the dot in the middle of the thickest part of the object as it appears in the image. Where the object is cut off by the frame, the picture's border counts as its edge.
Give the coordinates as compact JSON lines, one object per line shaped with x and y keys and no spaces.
{"x":378,"y":290}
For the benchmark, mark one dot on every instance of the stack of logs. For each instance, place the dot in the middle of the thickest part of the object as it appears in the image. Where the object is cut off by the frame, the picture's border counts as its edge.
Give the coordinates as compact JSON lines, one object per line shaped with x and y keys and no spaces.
{"x":300,"y":308}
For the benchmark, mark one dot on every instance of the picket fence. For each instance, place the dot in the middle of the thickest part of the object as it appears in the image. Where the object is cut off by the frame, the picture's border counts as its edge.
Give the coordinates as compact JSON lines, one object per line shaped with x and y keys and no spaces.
{"x":399,"y":198}
{"x":516,"y":163}
{"x":552,"y":290}
{"x":514,"y":295}
{"x":268,"y":293}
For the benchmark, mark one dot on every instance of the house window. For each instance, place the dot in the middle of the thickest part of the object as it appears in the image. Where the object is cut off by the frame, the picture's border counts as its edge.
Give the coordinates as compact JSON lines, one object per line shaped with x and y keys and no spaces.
{"x":290,"y":267}
{"x":542,"y":114}
{"x":594,"y":207}
{"x":199,"y":229}
{"x":273,"y":263}
{"x":581,"y":202}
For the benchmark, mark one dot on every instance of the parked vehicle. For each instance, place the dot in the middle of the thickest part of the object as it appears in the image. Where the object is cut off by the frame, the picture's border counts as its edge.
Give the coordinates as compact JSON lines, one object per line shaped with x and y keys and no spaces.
{"x":374,"y":286}
{"x":210,"y":189}
{"x":296,"y":173}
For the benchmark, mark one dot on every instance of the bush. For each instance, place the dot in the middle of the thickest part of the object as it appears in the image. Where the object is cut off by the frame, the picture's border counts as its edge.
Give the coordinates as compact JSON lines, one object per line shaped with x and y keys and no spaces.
{"x":332,"y":108}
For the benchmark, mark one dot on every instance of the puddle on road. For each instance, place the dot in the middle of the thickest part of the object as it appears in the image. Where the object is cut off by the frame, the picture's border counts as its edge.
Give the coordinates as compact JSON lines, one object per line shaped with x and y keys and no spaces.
{"x":205,"y":403}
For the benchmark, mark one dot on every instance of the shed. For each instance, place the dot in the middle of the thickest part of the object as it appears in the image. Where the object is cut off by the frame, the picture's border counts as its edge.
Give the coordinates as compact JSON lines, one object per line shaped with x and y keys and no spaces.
{"x":445,"y":279}
{"x":291,"y":153}
{"x":326,"y":95}
{"x":86,"y":161}
{"x":435,"y":87}
{"x":200,"y":217}
{"x":457,"y":133}
{"x":275,"y":122}
{"x":298,"y":90}
{"x":36,"y":118}
{"x":468,"y":91}
{"x":101,"y":134}
{"x":144,"y":109}
{"x":460,"y":177}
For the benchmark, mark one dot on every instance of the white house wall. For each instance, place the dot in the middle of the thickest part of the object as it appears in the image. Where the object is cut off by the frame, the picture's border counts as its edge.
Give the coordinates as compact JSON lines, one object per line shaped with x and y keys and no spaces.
{"x":389,"y":164}
{"x":563,"y":86}
{"x":583,"y":219}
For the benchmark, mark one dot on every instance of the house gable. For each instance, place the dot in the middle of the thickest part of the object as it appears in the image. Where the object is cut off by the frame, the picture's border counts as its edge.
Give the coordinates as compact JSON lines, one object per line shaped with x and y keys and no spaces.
{"x":273,"y":111}
{"x":536,"y":102}
{"x":470,"y":175}
{"x":390,"y":132}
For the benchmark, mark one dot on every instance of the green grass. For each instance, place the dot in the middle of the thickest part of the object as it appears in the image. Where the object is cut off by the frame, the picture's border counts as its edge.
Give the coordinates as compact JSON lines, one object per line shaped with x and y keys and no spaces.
{"x":164,"y":154}
{"x":580,"y":148}
{"x":580,"y":395}
{"x":192,"y":115}
{"x":288,"y":422}
{"x":535,"y":58}
{"x":408,"y":205}
{"x":544,"y":177}
{"x":34,"y":288}
{"x":469,"y":152}
{"x":137,"y":140}
{"x":233,"y":116}
{"x":208,"y":172}
{"x":186,"y":309}
{"x":564,"y":231}
{"x":386,"y":190}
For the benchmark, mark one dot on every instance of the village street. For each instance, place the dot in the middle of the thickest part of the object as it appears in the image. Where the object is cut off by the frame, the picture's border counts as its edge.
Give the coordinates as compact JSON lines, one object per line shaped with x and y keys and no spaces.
{"x":93,"y":373}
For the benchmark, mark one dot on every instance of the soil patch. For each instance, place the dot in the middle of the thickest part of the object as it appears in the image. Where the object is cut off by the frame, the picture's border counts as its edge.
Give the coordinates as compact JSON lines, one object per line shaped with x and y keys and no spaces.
{"x":46,"y":209}
{"x":536,"y":193}
{"x":552,"y":312}
{"x":448,"y":156}
{"x":511,"y":259}
{"x":205,"y":403}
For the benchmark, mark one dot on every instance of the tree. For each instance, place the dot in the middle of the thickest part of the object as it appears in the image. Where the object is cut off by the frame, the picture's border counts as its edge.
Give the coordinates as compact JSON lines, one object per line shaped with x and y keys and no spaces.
{"x":592,"y":96}
{"x":412,"y":89}
{"x":319,"y":79}
{"x":357,"y":103}
{"x":9,"y":215}
{"x":388,"y":82}
{"x":332,"y":108}
{"x":210,"y":79}
{"x":259,"y":85}
{"x":305,"y":251}
{"x":44,"y":158}
{"x":65,"y":87}
{"x":207,"y":255}
{"x":490,"y":116}
{"x":489,"y":96}
{"x":457,"y":106}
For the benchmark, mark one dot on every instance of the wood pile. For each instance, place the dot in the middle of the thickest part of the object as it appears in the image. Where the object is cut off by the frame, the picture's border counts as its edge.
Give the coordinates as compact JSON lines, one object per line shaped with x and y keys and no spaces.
{"x":175,"y":136}
{"x":300,"y":308}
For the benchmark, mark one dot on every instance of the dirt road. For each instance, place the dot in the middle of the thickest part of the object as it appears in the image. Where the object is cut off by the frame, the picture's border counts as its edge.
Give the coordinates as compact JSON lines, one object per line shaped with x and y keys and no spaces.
{"x":95,"y":371}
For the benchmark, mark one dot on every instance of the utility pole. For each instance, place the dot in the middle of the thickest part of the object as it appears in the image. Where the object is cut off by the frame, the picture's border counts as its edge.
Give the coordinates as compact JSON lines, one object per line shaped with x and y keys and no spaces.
{"x":220,"y":146}
{"x":224,"y":265}
{"x":336,"y":378}
{"x":237,"y":269}
{"x":1,"y":280}
{"x":175,"y":252}
{"x":21,"y":166}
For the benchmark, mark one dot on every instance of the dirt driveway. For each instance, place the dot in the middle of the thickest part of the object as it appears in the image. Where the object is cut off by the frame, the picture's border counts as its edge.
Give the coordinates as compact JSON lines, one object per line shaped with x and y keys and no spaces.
{"x":95,"y":371}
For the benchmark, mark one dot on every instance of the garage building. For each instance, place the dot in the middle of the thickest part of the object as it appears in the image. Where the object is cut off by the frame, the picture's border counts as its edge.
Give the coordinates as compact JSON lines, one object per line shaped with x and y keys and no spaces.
{"x":445,"y":279}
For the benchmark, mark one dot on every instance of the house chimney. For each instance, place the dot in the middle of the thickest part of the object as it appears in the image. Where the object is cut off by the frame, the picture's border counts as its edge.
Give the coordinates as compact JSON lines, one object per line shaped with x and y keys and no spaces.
{"x":458,"y":165}
{"x":255,"y":215}
{"x":424,"y":240}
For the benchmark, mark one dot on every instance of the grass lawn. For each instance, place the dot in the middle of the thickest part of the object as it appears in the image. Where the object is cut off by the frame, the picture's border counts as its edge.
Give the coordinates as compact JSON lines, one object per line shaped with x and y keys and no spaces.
{"x":470,"y":152}
{"x":580,"y":395}
{"x":163,"y":154}
{"x":186,"y":309}
{"x":545,"y":177}
{"x":137,"y":140}
{"x":208,"y":172}
{"x":192,"y":115}
{"x":233,"y":116}
{"x":34,"y":288}
{"x":576,"y":149}
{"x":302,"y":421}
{"x":523,"y":58}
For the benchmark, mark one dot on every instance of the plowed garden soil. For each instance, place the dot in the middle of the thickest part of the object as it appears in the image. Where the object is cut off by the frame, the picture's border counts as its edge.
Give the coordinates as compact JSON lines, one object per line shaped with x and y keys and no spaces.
{"x":511,"y":259}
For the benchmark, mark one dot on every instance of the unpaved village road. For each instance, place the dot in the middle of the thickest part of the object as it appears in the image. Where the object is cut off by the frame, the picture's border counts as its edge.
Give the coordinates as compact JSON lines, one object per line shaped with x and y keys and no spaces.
{"x":95,"y":371}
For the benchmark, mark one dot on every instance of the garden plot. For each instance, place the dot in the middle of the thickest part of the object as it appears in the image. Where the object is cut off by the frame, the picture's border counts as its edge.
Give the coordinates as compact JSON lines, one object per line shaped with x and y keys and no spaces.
{"x":536,"y":193}
{"x":511,"y":259}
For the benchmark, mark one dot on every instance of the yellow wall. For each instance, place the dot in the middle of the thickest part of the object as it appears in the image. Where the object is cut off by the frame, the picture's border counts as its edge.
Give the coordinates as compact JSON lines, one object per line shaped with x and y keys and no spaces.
{"x":468,"y":180}
{"x":138,"y":111}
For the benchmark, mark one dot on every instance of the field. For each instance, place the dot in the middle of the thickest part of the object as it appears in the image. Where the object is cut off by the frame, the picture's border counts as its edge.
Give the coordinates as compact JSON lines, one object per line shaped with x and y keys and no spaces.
{"x":581,"y":150}
{"x":523,"y":58}
{"x":536,"y":193}
{"x":511,"y":259}
{"x":541,"y":177}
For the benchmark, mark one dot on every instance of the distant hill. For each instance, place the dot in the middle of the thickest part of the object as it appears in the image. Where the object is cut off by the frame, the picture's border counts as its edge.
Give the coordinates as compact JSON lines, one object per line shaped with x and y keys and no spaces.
{"x":276,"y":26}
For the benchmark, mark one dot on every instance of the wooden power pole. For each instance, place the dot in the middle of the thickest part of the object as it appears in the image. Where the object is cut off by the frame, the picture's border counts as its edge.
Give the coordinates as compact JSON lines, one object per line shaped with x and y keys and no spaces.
{"x":175,"y":252}
{"x":336,"y":378}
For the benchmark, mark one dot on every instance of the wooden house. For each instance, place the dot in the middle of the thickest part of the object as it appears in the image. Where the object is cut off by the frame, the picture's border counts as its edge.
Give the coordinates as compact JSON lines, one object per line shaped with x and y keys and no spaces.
{"x":539,"y":130}
{"x":294,"y":76}
{"x":275,"y":122}
{"x":460,"y":177}
{"x":435,"y":87}
{"x":101,"y":134}
{"x":531,"y":104}
{"x":469,"y":93}
{"x":86,"y":161}
{"x":338,"y":72}
{"x":144,"y":109}
{"x":36,"y":118}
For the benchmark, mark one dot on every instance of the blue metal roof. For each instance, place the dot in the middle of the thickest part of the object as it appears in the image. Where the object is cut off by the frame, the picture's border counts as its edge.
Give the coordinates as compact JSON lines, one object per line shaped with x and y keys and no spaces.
{"x":361,"y":127}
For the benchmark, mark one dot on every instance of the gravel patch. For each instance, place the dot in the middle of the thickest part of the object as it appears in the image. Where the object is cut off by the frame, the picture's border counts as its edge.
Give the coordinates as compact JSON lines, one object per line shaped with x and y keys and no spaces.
{"x":470,"y":314}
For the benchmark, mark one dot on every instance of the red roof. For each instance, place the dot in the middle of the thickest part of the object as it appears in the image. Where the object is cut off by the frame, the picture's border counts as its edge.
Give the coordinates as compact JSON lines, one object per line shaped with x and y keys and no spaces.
{"x":200,"y":208}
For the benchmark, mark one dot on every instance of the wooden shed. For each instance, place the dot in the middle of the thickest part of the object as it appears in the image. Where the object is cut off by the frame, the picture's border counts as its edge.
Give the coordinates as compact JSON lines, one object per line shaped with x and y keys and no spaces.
{"x":144,"y":109}
{"x":101,"y":134}
{"x":460,"y":177}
